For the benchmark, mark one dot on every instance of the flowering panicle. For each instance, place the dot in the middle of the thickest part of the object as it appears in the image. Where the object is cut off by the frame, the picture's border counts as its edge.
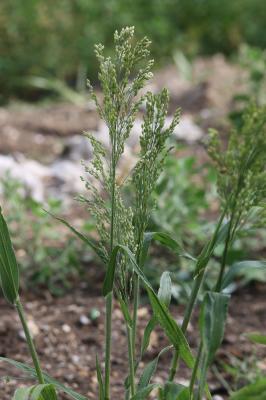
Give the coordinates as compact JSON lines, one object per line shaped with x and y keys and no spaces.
{"x":120,"y":86}
{"x":242,"y":165}
{"x":153,"y":142}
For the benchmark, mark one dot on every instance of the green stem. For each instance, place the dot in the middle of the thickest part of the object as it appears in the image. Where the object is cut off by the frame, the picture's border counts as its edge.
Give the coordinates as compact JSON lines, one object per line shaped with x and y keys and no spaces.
{"x":195,"y":371}
{"x":109,"y":297}
{"x":228,"y":240}
{"x":30,"y":342}
{"x":131,"y":361}
{"x":108,"y":332}
{"x":135,"y":312}
{"x":200,"y":266}
{"x":187,"y":316}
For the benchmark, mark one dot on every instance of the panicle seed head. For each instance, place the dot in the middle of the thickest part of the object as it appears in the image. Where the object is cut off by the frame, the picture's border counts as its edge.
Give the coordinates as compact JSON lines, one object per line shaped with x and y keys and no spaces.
{"x":242,"y":165}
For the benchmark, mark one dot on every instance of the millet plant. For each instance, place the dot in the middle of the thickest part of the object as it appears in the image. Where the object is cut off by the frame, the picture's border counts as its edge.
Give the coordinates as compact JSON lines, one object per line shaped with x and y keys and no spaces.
{"x":123,"y":243}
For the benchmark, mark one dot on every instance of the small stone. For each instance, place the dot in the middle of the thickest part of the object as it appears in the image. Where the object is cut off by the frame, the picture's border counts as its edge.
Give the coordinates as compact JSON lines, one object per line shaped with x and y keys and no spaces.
{"x":84,"y":320}
{"x":66,"y":328}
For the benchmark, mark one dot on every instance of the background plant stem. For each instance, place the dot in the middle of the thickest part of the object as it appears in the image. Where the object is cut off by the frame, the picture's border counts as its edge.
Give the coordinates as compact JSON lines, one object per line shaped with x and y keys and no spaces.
{"x":201,"y":266}
{"x":109,"y":297}
{"x":131,"y":361}
{"x":30,"y":342}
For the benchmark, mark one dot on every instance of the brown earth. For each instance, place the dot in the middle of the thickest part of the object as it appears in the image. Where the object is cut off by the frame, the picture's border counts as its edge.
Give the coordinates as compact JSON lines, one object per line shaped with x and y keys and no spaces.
{"x":68,"y":348}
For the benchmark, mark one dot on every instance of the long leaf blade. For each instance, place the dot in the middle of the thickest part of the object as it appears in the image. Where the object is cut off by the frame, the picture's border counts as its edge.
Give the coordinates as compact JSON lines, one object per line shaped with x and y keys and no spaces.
{"x":80,"y":235}
{"x":150,"y":369}
{"x":165,"y":240}
{"x":36,"y":392}
{"x":238,"y":268}
{"x":254,"y":391}
{"x":48,"y":379}
{"x":256,"y":337}
{"x":172,"y":330}
{"x":9,"y":272}
{"x":212,"y":322}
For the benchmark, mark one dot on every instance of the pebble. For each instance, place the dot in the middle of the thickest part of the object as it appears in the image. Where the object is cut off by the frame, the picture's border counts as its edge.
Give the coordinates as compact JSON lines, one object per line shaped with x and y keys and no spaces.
{"x":84,"y":320}
{"x":66,"y":328}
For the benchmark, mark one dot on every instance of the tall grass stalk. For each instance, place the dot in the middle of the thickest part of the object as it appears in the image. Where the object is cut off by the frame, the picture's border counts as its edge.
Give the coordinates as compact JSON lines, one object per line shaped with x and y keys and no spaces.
{"x":30,"y":343}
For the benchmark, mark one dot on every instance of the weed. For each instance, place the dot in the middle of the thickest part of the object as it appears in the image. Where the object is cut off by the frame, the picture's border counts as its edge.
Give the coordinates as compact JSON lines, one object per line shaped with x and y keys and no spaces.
{"x":124,"y":242}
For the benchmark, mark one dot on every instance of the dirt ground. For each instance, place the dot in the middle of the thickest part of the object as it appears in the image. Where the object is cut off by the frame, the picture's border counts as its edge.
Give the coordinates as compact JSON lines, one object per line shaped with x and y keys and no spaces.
{"x":68,"y":340}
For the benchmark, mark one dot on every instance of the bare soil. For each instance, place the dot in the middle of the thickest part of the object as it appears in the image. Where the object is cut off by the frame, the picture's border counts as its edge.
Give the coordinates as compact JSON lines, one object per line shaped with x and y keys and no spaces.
{"x":68,"y":348}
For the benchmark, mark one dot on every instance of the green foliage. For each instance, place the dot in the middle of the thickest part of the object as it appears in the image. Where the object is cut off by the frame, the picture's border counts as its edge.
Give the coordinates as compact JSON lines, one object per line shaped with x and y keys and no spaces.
{"x":241,"y":170}
{"x":256,"y":337}
{"x":9,"y":273}
{"x":34,"y":235}
{"x":180,"y":187}
{"x":212,"y":323}
{"x":254,"y":391}
{"x":38,"y":39}
{"x":37,"y":392}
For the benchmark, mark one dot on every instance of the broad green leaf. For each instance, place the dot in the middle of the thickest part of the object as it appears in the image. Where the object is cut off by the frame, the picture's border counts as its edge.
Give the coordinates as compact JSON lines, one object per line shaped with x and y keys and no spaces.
{"x":254,"y":391}
{"x":48,"y":379}
{"x":175,"y":391}
{"x":212,"y":322}
{"x":142,"y":394}
{"x":36,"y":392}
{"x":100,"y":379}
{"x":9,"y":272}
{"x":164,"y":239}
{"x":150,"y":369}
{"x":80,"y":235}
{"x":239,"y":268}
{"x":172,"y":330}
{"x":257,"y":337}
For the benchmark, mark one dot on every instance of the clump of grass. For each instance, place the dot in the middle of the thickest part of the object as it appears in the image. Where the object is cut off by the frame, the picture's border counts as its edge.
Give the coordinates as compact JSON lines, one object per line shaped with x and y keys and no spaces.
{"x":124,"y":242}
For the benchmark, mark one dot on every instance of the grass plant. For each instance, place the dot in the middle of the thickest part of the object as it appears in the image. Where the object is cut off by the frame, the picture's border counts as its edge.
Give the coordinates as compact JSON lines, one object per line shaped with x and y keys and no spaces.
{"x":124,"y":242}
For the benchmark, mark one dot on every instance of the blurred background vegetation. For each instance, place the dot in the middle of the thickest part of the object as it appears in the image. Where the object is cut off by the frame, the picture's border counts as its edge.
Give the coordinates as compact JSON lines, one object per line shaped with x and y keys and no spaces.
{"x":54,"y":39}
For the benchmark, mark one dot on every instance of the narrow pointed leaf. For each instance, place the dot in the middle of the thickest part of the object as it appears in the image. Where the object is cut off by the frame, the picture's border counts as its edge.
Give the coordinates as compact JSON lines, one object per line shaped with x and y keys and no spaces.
{"x":218,"y":237}
{"x":48,"y":379}
{"x":256,"y":337}
{"x":144,"y":393}
{"x":150,"y":369}
{"x":175,"y":391}
{"x":254,"y":391}
{"x":125,"y":311}
{"x":240,"y":267}
{"x":164,"y":295}
{"x":80,"y":235}
{"x":165,"y":240}
{"x":172,"y":330}
{"x":147,"y":334}
{"x":212,"y":322}
{"x":9,"y":272}
{"x":100,"y":379}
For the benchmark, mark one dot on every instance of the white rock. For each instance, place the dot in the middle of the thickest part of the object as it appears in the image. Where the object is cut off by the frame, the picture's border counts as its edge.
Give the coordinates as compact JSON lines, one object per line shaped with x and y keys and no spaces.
{"x":186,"y":130}
{"x":78,"y":148}
{"x":29,"y":172}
